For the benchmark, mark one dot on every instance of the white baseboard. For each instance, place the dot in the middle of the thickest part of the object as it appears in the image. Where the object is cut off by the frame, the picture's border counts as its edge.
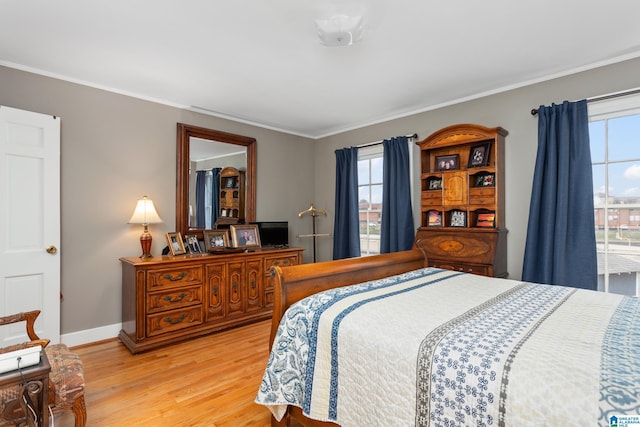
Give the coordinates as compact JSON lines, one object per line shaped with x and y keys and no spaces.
{"x":91,"y":335}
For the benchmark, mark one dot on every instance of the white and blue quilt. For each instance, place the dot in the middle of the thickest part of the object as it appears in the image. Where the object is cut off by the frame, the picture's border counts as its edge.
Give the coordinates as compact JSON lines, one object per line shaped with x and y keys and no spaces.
{"x":439,"y":348}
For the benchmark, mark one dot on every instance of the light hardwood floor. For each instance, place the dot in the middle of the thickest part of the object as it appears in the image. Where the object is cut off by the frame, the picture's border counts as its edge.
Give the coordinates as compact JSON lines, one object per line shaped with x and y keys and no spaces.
{"x":210,"y":381}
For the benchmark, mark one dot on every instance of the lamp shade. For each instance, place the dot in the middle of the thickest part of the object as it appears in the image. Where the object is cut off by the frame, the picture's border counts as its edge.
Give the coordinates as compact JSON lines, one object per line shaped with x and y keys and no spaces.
{"x":145,"y":213}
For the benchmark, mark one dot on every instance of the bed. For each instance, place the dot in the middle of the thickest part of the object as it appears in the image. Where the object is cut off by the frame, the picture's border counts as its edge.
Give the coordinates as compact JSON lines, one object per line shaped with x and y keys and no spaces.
{"x":387,"y":341}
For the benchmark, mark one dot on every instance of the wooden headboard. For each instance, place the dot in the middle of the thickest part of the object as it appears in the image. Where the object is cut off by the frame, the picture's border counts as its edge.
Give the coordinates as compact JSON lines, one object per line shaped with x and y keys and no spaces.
{"x":297,"y":282}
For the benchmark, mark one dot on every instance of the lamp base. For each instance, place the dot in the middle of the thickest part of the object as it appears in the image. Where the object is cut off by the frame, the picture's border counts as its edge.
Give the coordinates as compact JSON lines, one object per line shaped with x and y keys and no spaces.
{"x":145,"y":242}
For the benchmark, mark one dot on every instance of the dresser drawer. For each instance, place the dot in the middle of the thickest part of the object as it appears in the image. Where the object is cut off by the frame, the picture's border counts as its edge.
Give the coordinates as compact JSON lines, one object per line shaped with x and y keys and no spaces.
{"x":482,"y":196}
{"x":431,"y":202}
{"x":279,"y":262}
{"x":431,"y":198}
{"x":483,"y":270}
{"x":173,"y":277}
{"x":482,"y":192}
{"x":488,"y":201}
{"x":174,"y":320}
{"x":172,"y":299}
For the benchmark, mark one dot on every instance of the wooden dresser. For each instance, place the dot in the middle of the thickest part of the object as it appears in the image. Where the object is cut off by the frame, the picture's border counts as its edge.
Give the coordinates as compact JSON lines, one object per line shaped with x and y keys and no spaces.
{"x":168,"y":299}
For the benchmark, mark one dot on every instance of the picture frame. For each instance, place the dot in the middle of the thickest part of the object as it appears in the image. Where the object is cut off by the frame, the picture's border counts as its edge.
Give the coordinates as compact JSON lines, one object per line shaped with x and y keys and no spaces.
{"x":176,"y":245}
{"x":479,"y":155}
{"x":230,"y":182}
{"x":485,"y":180}
{"x":486,"y":220}
{"x":448,"y":162}
{"x":434,"y":218}
{"x":434,"y":184}
{"x":192,"y":245}
{"x":215,"y":239}
{"x":245,"y":236}
{"x":458,"y":218}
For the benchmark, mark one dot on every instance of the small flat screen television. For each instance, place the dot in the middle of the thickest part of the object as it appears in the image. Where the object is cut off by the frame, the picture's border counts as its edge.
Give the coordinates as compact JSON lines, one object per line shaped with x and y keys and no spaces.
{"x":273,"y":233}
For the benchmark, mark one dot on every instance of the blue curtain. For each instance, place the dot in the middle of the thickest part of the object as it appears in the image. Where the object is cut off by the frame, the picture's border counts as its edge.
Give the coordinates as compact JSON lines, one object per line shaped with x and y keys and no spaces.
{"x":561,"y":243}
{"x":201,"y":177}
{"x":397,"y":233}
{"x":346,"y":231}
{"x":215,"y":195}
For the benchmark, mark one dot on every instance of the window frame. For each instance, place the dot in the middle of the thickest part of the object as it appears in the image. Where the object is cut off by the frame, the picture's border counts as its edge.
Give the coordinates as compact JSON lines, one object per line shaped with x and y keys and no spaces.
{"x":369,"y":153}
{"x":606,"y":110}
{"x":376,"y":150}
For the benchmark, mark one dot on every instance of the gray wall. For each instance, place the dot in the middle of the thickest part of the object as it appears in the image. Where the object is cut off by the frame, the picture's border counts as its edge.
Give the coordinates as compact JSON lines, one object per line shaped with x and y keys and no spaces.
{"x":510,"y":110}
{"x":117,"y":148}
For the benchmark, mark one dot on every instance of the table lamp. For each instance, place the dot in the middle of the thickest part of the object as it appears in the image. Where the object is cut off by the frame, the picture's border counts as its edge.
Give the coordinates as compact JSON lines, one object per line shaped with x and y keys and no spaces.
{"x":145,"y":214}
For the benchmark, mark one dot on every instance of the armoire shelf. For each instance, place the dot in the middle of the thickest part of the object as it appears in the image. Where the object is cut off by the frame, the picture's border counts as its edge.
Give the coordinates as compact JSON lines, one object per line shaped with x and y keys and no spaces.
{"x":232,"y":193}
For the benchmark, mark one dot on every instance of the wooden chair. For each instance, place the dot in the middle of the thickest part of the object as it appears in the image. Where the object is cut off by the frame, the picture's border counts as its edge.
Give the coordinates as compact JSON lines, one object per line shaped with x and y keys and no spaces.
{"x":66,"y":379}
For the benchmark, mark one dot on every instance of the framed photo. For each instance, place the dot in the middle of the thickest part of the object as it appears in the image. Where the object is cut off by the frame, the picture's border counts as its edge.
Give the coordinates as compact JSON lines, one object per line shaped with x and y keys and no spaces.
{"x":486,"y":220}
{"x":215,"y":239}
{"x":192,"y":244}
{"x":434,"y":218}
{"x":245,"y":236}
{"x":479,"y":155}
{"x":176,"y":246}
{"x":449,"y":162}
{"x":230,"y":182}
{"x":485,"y":180}
{"x":458,"y":218}
{"x":435,"y":184}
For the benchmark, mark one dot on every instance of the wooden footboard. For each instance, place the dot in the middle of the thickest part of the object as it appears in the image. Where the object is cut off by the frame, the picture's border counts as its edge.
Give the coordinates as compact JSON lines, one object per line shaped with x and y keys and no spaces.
{"x":297,"y":282}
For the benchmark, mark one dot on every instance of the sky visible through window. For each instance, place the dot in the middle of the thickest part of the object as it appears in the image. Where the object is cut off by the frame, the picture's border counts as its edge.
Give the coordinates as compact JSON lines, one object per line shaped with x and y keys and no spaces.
{"x":367,"y":176}
{"x":623,"y":156}
{"x":615,"y":154}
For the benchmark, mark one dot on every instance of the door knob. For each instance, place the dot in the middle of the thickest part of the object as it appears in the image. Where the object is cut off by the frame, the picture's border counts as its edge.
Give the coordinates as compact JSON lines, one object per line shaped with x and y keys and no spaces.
{"x":52,"y":250}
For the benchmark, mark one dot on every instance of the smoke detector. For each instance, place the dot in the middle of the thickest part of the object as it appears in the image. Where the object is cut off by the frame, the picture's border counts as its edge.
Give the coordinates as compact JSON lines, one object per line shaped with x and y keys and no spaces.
{"x":340,"y":30}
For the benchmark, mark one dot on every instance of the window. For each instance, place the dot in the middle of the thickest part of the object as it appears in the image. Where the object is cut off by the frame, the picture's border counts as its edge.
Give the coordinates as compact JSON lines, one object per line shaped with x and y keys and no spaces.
{"x":370,"y":163}
{"x":614,"y":131}
{"x":370,"y":177}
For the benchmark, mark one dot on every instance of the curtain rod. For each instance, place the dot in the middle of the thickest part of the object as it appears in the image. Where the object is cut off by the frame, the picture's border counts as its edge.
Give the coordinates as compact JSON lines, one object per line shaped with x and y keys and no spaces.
{"x":369,"y":144}
{"x":534,"y":111}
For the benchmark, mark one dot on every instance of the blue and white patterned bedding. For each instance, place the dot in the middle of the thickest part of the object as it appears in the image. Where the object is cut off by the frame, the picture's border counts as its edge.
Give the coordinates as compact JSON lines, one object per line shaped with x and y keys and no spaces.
{"x":438,"y":348}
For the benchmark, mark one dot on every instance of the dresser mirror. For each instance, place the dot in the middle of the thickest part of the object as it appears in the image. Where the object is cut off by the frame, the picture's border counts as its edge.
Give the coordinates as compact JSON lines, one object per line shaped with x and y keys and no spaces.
{"x":209,"y":143}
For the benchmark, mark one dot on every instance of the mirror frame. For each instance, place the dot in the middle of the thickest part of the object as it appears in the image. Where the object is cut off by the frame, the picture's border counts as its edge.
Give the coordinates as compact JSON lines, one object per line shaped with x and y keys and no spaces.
{"x":185,"y":132}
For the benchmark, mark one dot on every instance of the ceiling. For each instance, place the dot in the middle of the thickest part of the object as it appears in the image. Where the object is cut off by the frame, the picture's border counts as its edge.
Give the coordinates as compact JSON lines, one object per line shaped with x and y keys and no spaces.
{"x":261,"y":62}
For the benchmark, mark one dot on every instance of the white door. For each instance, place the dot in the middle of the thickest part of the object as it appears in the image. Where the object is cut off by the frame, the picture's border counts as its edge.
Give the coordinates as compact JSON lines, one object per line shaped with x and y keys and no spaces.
{"x":29,"y":221}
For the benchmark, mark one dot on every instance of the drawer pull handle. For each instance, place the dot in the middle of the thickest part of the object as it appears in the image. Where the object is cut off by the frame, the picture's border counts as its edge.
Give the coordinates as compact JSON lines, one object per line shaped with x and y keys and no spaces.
{"x":175,"y":278}
{"x":235,"y":287}
{"x":253,"y":283}
{"x":215,"y":291}
{"x":176,"y":299}
{"x":175,"y":321}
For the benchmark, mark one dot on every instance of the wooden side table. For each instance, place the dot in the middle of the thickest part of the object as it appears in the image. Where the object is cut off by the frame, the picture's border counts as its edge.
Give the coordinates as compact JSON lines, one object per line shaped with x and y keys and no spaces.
{"x":39,"y":372}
